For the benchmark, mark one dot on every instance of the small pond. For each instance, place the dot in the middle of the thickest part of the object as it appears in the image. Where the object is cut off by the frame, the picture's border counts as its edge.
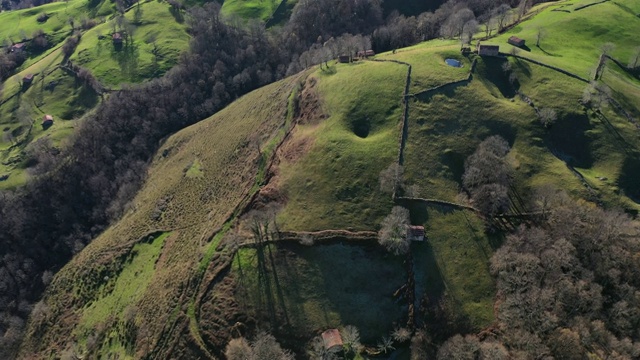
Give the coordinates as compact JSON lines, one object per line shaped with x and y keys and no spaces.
{"x":453,"y":62}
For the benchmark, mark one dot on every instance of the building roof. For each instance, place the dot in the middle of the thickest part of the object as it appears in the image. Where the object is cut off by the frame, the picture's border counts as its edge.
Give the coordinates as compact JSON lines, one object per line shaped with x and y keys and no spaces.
{"x":116,"y":36}
{"x":492,"y":47}
{"x":18,"y":46}
{"x":47,"y":118}
{"x":515,"y":39}
{"x":416,"y":230}
{"x":331,"y":339}
{"x":28,"y":77}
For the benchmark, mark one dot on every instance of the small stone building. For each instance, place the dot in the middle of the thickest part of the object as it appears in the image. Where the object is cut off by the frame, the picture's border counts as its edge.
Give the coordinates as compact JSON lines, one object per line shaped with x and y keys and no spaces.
{"x":488,"y":50}
{"x":116,"y":38}
{"x":343,"y":59}
{"x":18,"y":47}
{"x":27,"y":79}
{"x":332,"y":340}
{"x":47,"y":121}
{"x":516,"y":41}
{"x":415,"y":233}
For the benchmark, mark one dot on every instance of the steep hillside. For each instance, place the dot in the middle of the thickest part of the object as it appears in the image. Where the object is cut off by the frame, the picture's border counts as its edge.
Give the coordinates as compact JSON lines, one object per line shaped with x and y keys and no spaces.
{"x":195,"y":186}
{"x":266,"y":215}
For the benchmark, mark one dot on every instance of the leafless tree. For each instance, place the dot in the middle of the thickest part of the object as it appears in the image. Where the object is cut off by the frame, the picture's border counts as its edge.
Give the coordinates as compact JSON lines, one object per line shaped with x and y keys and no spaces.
{"x":547,"y":116}
{"x":351,"y":339}
{"x":459,"y":347}
{"x":634,"y":61}
{"x":385,"y":345}
{"x":401,"y":334}
{"x":238,"y":349}
{"x":607,"y":48}
{"x":393,"y":234}
{"x":541,"y":33}
{"x":501,"y":14}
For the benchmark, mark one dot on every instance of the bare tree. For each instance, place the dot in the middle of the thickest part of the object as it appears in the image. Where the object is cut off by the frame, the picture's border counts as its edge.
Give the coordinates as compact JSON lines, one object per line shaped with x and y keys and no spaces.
{"x":523,"y":7}
{"x":351,"y":339}
{"x":469,"y":29}
{"x":607,"y":48}
{"x":238,"y":349}
{"x":401,"y":334}
{"x":459,"y":347}
{"x":547,"y":116}
{"x":385,"y":345}
{"x":501,"y":14}
{"x":393,"y":234}
{"x":541,"y":33}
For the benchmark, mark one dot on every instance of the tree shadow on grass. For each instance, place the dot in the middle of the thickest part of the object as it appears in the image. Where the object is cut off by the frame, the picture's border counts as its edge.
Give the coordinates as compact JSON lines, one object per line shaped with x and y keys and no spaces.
{"x":493,"y":73}
{"x":629,"y":175}
{"x":568,"y":138}
{"x":127,"y":58}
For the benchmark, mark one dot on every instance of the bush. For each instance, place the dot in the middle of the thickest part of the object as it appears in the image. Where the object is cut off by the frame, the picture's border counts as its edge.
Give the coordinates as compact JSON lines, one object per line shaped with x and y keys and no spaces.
{"x":42,"y":17}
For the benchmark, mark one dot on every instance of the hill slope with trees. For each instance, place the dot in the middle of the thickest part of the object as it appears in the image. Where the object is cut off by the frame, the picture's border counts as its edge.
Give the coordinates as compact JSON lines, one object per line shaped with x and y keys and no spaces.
{"x":271,"y":213}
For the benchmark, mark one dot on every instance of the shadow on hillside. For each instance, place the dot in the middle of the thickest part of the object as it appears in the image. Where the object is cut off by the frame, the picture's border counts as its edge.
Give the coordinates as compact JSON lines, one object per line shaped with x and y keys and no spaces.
{"x":629,"y":175}
{"x":127,"y":58}
{"x":569,"y":139}
{"x":493,"y":72}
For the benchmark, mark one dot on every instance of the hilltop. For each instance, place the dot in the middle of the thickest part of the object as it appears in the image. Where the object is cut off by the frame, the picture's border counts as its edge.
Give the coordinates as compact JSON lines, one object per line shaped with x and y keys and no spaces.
{"x":266,"y":213}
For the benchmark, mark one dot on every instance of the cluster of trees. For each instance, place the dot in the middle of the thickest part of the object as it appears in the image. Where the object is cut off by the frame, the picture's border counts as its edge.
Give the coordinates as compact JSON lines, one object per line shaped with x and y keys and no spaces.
{"x":487,"y":176}
{"x":568,"y":288}
{"x":264,"y":346}
{"x":454,"y":19}
{"x":345,"y":44}
{"x":9,"y":61}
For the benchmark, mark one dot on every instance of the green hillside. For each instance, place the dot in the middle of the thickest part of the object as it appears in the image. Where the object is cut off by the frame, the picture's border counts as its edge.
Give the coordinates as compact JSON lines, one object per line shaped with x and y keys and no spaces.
{"x":266,"y":214}
{"x":157,"y":38}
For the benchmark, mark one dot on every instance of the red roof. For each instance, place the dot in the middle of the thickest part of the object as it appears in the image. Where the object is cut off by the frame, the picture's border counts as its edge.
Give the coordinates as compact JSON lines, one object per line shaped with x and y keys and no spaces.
{"x":331,"y":339}
{"x":47,"y":118}
{"x":515,"y":39}
{"x":416,"y":230}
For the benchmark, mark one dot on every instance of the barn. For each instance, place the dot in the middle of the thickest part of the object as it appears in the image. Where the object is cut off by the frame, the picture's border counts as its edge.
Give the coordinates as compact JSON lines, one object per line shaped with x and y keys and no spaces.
{"x":488,"y":50}
{"x":516,"y":41}
{"x":47,"y":121}
{"x":415,"y":233}
{"x":332,"y":340}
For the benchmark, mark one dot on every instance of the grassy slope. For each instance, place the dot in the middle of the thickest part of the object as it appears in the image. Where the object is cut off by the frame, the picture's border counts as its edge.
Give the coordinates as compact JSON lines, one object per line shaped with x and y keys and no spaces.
{"x":335,"y":184}
{"x":136,"y":62}
{"x":190,"y":207}
{"x":69,"y":100}
{"x":572,"y":41}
